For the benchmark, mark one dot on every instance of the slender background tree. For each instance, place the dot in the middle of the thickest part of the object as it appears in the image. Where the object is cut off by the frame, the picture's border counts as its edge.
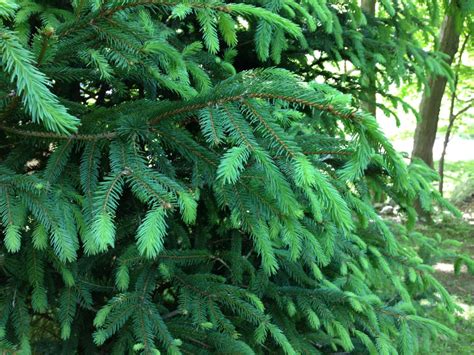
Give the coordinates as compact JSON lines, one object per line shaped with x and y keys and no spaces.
{"x":448,"y":43}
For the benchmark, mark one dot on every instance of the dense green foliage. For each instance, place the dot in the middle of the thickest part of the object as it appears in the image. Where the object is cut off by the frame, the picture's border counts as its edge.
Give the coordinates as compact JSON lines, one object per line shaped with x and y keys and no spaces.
{"x":155,"y":198}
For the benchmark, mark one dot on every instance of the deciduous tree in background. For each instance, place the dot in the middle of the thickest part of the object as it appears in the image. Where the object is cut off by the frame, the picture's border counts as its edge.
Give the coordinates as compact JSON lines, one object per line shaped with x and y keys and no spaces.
{"x":427,"y":126}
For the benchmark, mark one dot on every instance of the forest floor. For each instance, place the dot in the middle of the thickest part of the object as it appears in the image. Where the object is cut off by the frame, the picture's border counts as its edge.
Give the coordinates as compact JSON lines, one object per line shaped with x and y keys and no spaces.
{"x":459,"y":189}
{"x":460,"y":286}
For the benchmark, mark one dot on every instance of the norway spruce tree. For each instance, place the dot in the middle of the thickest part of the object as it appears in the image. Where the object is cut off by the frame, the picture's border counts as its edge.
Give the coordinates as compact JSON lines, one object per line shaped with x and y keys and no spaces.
{"x":153,"y":199}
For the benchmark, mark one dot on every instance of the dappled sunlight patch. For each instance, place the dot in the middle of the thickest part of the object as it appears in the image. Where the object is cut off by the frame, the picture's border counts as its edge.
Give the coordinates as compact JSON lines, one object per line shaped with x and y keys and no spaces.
{"x":469,"y":217}
{"x":448,"y":268}
{"x":466,"y":311}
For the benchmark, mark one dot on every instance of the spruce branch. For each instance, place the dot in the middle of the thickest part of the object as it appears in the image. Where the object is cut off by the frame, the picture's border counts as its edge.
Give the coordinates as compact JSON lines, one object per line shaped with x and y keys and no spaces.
{"x":32,"y":86}
{"x":190,"y":225}
{"x":259,"y":95}
{"x":187,"y":109}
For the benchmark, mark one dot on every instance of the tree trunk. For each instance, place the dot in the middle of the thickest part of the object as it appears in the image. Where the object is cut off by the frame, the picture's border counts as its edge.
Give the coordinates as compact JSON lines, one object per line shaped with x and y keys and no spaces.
{"x":368,"y":7}
{"x":426,"y":128}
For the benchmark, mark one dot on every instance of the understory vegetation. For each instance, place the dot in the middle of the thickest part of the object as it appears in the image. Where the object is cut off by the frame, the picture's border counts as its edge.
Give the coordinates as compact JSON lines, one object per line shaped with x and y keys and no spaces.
{"x":460,"y":284}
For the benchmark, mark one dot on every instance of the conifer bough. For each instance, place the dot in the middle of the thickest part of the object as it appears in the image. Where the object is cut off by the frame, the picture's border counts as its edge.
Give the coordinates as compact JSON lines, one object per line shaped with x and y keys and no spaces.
{"x":195,"y":208}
